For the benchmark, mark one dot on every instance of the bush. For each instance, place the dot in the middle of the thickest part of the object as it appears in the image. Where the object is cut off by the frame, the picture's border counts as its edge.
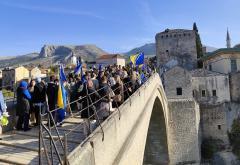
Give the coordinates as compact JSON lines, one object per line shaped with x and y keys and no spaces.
{"x":234,"y":137}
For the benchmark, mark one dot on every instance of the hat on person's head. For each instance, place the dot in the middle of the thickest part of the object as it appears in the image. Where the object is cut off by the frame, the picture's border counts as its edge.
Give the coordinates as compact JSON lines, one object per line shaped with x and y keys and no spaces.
{"x":39,"y":79}
{"x":23,"y":84}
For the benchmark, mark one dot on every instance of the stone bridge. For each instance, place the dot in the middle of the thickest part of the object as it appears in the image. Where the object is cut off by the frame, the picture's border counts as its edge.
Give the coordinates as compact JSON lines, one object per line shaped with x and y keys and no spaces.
{"x":148,"y":130}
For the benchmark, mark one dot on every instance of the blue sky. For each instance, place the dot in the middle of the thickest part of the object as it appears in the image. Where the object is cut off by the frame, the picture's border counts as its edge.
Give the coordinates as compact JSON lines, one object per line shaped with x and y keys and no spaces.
{"x":113,"y":25}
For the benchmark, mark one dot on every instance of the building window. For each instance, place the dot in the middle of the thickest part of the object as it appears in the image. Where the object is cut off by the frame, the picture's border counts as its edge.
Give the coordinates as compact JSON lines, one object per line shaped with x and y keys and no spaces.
{"x":210,"y":67}
{"x":167,"y":36}
{"x":193,"y":93}
{"x":219,"y":127}
{"x":179,"y":91}
{"x":203,"y":93}
{"x":233,"y":65}
{"x":214,"y":92}
{"x":167,"y":51}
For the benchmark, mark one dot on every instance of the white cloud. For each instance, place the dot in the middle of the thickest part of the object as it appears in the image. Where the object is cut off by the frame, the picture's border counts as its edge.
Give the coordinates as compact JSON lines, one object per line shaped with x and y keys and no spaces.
{"x":52,"y":10}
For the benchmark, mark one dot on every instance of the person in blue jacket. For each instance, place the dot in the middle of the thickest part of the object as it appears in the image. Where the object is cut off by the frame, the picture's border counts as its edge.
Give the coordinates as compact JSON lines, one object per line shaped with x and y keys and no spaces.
{"x":23,"y":106}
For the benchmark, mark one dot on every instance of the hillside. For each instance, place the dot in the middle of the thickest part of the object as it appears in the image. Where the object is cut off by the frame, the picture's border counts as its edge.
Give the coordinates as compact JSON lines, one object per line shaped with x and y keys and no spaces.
{"x":150,"y":49}
{"x":51,"y":54}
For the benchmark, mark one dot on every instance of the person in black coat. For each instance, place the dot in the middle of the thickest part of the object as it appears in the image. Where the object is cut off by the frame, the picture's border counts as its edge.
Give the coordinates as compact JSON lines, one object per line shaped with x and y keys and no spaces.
{"x":52,"y":90}
{"x":90,"y":100}
{"x":39,"y":98}
{"x":23,"y":106}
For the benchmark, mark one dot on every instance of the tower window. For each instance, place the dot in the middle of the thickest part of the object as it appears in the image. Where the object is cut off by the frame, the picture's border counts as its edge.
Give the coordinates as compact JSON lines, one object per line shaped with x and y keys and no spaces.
{"x":167,"y":36}
{"x":167,"y":51}
{"x":179,"y":91}
{"x":203,"y":93}
{"x":214,"y":92}
{"x":219,"y":127}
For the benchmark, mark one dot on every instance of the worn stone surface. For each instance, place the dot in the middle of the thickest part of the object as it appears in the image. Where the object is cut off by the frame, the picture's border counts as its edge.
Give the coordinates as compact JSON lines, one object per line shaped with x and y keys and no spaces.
{"x":177,"y":44}
{"x":235,"y":86}
{"x":208,"y":82}
{"x":177,"y":77}
{"x":184,"y":131}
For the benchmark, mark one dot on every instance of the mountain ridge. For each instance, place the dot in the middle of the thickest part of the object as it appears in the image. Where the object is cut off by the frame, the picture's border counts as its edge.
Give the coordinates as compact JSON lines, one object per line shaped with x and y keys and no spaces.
{"x":149,"y":49}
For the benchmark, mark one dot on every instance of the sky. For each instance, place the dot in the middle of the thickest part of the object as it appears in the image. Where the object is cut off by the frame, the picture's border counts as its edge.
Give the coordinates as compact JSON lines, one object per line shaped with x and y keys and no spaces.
{"x":113,"y":25}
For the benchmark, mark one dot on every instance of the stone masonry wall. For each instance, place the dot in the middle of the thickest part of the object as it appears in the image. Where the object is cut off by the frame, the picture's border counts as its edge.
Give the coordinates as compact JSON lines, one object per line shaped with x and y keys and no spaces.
{"x":184,"y":130}
{"x":179,"y":45}
{"x":235,"y":86}
{"x":175,"y":78}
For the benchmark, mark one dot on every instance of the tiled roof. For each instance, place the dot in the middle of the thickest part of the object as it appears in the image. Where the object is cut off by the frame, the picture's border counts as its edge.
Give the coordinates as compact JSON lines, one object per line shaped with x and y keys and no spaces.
{"x":220,"y":51}
{"x":110,"y":56}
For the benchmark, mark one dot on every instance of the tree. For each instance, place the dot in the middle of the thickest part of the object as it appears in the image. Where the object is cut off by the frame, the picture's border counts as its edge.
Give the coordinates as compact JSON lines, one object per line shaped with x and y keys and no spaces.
{"x":198,"y":41}
{"x":234,"y":136}
{"x":195,"y":27}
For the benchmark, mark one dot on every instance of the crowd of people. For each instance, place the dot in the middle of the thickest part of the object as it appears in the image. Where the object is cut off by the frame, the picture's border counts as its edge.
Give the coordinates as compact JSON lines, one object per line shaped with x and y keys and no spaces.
{"x":95,"y":90}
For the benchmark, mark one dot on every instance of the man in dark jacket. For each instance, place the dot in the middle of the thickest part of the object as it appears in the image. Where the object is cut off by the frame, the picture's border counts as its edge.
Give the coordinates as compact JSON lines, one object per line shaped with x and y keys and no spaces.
{"x":52,"y":89}
{"x":23,"y":106}
{"x":39,"y":98}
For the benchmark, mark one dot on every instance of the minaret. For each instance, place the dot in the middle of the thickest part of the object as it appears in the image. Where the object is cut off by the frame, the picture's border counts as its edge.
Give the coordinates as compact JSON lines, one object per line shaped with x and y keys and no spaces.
{"x":228,"y":40}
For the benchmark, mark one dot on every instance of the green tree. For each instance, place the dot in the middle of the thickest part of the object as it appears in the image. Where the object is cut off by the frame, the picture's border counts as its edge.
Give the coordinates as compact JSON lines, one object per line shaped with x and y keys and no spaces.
{"x":234,"y":137}
{"x":198,"y":42}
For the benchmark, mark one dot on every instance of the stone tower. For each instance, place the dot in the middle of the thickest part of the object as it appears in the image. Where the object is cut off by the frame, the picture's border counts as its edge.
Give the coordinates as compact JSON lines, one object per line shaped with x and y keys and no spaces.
{"x":228,"y":40}
{"x":176,"y":46}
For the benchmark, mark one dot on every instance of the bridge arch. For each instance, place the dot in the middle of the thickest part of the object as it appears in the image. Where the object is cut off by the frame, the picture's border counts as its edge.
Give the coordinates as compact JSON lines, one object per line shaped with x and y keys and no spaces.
{"x":156,"y":147}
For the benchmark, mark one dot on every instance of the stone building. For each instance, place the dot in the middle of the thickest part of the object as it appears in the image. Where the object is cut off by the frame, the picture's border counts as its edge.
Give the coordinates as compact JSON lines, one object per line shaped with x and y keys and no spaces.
{"x":225,"y":60}
{"x":179,"y":45}
{"x":177,"y":83}
{"x":11,"y":76}
{"x":210,"y":87}
{"x":111,"y":59}
{"x":35,"y":73}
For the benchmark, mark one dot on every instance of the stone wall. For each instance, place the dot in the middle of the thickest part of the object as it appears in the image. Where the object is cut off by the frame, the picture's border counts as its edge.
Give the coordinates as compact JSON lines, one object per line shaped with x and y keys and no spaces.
{"x":184,"y":131}
{"x":177,"y":77}
{"x":216,"y":120}
{"x":219,"y":83}
{"x":177,"y":44}
{"x":235,"y":86}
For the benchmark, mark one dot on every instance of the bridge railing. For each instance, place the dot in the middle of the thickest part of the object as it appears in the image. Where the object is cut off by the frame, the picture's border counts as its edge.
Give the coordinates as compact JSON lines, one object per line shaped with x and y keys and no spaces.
{"x":53,"y":144}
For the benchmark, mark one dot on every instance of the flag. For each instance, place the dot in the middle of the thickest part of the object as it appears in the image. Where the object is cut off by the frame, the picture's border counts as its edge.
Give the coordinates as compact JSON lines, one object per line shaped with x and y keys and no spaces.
{"x":133,"y":59}
{"x":61,"y":74}
{"x":78,"y":68}
{"x":62,"y":98}
{"x":139,"y":59}
{"x":60,"y":102}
